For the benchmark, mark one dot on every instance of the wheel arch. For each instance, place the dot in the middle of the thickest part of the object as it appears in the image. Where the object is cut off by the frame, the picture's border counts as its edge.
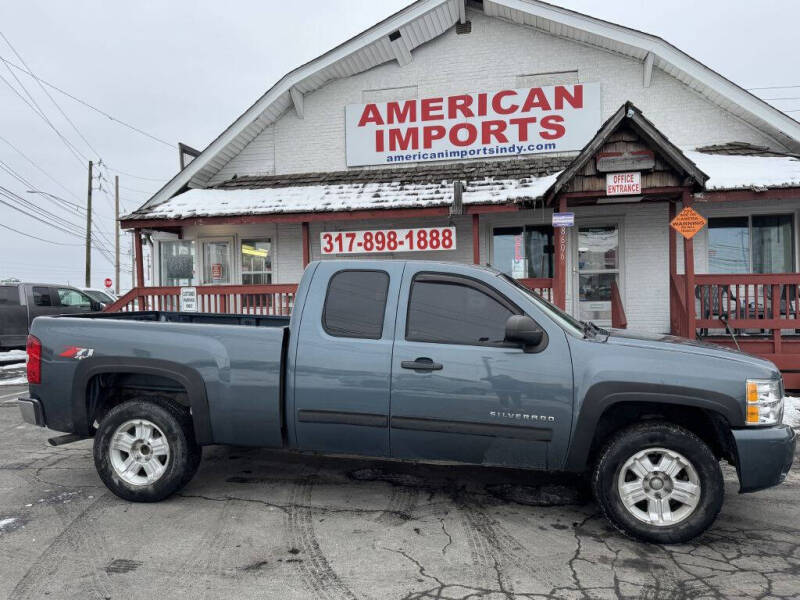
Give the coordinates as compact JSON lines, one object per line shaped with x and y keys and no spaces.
{"x":607,"y":408}
{"x":89,"y":372}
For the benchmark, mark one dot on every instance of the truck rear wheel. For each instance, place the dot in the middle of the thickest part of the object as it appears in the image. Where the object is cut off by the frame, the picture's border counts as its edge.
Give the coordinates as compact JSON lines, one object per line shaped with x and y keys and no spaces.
{"x":658,"y":482}
{"x":145,"y":451}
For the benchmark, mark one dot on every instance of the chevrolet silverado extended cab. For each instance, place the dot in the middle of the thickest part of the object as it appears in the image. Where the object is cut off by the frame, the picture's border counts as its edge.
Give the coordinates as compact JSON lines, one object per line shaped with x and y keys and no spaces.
{"x":423,"y":361}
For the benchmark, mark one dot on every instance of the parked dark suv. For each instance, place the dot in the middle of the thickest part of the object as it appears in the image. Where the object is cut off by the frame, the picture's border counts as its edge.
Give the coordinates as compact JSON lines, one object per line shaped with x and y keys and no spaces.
{"x":20,"y":303}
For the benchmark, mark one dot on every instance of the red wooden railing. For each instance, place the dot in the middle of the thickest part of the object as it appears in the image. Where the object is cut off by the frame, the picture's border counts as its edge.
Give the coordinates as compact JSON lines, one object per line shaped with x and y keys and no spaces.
{"x":542,"y":286}
{"x":273,"y":299}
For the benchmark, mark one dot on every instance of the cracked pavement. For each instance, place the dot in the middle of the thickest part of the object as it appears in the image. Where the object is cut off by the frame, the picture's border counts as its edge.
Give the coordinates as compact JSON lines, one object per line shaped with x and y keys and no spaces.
{"x":264,"y":524}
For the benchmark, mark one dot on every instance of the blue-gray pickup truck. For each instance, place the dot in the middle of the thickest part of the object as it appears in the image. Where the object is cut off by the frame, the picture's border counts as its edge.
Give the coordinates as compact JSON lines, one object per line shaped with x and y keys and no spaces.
{"x":422,"y":361}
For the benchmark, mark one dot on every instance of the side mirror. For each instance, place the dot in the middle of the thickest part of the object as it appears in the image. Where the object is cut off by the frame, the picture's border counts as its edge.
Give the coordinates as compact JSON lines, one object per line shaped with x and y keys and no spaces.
{"x":522,"y":330}
{"x":97,"y":306}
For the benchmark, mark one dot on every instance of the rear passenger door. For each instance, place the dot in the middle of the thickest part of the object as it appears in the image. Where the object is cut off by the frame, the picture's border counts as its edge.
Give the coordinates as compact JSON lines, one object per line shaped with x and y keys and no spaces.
{"x":342,"y":362}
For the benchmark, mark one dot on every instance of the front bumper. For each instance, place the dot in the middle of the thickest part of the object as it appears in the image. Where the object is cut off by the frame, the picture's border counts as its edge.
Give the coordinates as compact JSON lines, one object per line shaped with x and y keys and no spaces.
{"x":764,"y":456}
{"x":31,"y":410}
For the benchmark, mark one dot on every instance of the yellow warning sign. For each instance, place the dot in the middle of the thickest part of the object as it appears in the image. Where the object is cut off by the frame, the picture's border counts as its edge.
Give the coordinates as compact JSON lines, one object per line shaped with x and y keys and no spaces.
{"x":688,"y":222}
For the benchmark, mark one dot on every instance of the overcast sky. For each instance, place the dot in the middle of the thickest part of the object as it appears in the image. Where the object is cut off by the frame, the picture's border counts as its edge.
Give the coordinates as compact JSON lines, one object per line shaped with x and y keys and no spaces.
{"x":183,"y":71}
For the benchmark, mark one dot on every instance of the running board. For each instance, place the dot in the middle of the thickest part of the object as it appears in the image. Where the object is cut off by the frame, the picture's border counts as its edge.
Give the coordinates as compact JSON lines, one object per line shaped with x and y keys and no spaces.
{"x":66,"y":439}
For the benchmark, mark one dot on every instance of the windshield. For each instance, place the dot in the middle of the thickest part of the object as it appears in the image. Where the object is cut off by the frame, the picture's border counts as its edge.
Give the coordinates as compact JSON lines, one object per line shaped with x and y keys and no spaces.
{"x":565,"y":321}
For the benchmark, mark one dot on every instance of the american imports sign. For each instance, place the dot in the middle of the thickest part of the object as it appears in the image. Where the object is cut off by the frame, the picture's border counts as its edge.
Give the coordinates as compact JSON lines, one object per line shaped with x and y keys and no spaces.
{"x":478,"y":125}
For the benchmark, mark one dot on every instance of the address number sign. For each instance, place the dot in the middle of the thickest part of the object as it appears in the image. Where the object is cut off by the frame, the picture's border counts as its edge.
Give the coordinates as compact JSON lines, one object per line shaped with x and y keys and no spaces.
{"x":422,"y":239}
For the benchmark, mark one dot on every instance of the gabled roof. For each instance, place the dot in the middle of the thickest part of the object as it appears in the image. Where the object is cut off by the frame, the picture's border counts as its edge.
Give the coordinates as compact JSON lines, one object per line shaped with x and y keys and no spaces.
{"x":425,"y":20}
{"x":630,"y":116}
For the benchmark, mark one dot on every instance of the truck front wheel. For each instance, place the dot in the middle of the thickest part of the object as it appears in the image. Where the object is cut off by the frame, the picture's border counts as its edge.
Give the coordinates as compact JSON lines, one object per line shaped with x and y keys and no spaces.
{"x":658,"y":482}
{"x":145,"y":451}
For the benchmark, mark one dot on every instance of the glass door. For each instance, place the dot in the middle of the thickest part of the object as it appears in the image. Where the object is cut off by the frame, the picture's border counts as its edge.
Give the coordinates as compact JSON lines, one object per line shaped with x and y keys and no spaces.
{"x":217,"y":264}
{"x":598,"y":271}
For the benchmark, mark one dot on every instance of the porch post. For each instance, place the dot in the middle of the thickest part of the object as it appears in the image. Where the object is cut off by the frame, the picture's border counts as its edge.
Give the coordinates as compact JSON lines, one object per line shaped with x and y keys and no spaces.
{"x":688,"y":267}
{"x":137,"y":245}
{"x":306,"y":247}
{"x":476,"y":239}
{"x":138,"y":255}
{"x":560,"y":271}
{"x":674,"y":324}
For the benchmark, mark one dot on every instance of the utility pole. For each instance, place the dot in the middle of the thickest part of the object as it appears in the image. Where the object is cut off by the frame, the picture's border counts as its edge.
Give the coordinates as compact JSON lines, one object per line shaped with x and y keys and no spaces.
{"x":116,"y":234}
{"x":89,"y":230}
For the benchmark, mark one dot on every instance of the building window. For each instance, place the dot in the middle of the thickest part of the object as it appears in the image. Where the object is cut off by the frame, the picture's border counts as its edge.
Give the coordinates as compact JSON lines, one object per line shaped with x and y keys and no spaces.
{"x":256,"y":262}
{"x":756,"y":244}
{"x":177,"y":263}
{"x":524,"y":252}
{"x":216,"y":262}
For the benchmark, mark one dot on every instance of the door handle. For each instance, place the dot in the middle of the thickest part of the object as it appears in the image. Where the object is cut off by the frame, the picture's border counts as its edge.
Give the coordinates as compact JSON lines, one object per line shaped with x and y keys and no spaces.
{"x":421,"y":364}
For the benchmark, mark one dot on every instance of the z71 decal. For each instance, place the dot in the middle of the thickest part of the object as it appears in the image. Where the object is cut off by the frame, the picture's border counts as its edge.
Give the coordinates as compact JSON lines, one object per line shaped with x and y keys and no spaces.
{"x":77,"y":353}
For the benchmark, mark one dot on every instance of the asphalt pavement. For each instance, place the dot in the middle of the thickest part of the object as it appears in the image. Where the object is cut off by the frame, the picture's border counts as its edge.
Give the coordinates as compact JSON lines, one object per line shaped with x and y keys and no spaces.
{"x":265,"y":524}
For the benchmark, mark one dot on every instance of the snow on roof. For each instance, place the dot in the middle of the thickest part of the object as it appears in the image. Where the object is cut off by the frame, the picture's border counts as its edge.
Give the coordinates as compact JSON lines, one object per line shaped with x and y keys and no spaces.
{"x":728,"y":172}
{"x":343,"y":197}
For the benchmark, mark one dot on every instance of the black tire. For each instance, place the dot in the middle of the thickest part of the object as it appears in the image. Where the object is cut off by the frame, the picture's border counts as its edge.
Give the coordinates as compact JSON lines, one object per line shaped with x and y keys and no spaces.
{"x":184,"y":453}
{"x":624,"y":445}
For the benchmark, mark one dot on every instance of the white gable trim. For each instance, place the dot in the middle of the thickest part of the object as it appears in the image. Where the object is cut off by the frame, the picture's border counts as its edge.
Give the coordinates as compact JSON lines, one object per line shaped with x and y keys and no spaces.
{"x":434,"y":17}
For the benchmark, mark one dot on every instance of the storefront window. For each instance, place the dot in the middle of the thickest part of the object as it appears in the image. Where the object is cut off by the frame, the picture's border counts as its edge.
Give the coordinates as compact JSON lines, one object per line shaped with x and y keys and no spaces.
{"x":524,"y":252}
{"x":177,"y":263}
{"x":256,"y":262}
{"x":757,"y":244}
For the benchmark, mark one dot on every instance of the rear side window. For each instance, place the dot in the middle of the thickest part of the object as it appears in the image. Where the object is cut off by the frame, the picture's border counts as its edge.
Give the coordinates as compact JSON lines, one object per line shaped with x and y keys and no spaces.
{"x":9,"y":295}
{"x":456,"y":310}
{"x":355,"y":304}
{"x":41,"y":296}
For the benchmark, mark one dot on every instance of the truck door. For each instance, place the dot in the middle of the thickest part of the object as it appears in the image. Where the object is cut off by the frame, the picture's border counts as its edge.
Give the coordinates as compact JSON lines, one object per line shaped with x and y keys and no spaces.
{"x":342,"y":362}
{"x":459,"y":393}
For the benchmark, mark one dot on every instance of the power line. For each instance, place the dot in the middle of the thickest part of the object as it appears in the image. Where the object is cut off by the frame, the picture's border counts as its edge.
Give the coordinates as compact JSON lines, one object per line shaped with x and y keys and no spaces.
{"x":49,"y":95}
{"x":87,"y":105}
{"x":37,"y":238}
{"x":38,"y":111}
{"x":32,"y":162}
{"x":784,"y":98}
{"x":772,"y":87}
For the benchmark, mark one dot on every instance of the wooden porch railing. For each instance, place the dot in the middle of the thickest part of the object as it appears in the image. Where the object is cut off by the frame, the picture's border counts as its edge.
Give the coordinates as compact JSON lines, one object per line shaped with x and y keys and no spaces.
{"x":618,"y":318}
{"x":542,"y":286}
{"x":762,"y":312}
{"x":272,"y":299}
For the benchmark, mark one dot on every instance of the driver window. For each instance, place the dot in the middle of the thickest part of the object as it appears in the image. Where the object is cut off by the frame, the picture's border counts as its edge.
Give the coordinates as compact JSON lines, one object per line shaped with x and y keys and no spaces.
{"x":454,"y":310}
{"x":68,"y":297}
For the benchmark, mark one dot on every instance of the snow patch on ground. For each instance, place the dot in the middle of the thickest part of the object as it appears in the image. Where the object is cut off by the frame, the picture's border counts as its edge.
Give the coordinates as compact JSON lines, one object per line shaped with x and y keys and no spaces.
{"x":791,"y":411}
{"x":14,"y":381}
{"x":12,"y":356}
{"x":4,"y":523}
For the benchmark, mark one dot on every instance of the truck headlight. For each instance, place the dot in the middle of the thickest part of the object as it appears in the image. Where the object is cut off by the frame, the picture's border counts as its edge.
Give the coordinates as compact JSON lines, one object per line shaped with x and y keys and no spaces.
{"x":764,"y":402}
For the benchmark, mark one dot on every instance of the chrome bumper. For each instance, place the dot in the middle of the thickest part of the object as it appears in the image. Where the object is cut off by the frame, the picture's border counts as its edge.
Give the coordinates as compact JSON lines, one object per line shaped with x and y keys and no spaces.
{"x":31,"y":410}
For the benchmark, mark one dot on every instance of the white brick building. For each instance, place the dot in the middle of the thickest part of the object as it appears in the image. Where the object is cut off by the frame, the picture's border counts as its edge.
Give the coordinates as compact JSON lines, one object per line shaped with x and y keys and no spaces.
{"x":252,"y":208}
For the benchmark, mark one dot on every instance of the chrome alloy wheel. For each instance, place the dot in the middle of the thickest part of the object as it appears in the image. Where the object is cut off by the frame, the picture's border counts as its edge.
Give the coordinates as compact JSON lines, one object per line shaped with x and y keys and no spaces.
{"x":139,"y":452}
{"x":659,"y":486}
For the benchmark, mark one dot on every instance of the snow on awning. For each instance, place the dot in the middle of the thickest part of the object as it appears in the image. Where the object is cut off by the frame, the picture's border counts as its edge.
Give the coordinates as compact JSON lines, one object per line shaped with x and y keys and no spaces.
{"x":737,"y":172}
{"x":217,"y":202}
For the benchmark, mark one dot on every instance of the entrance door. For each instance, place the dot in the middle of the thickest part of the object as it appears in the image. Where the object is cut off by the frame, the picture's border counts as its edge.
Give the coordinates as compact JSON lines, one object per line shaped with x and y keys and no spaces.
{"x":598,"y":271}
{"x":217,"y":263}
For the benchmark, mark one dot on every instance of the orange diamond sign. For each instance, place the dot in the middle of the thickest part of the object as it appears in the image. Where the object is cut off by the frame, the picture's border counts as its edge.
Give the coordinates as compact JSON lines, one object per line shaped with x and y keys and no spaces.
{"x":688,"y":222}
